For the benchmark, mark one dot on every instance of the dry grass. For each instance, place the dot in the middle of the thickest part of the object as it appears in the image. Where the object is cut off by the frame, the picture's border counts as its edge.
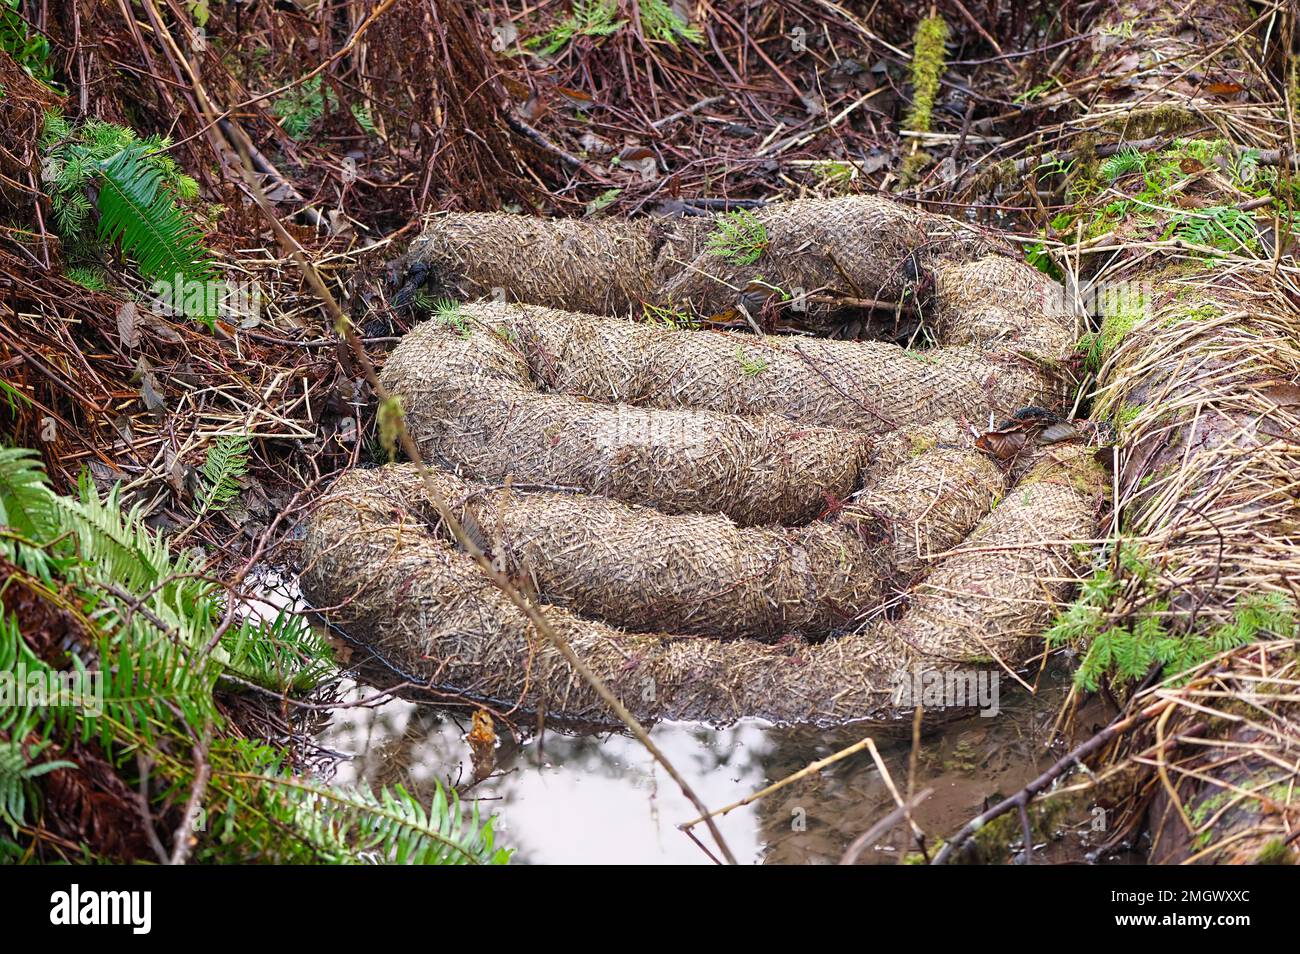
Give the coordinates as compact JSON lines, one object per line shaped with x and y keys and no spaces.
{"x":1204,"y":385}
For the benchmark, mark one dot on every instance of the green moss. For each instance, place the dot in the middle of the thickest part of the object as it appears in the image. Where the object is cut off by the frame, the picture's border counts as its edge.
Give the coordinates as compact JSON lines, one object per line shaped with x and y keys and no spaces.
{"x":1103,"y":221}
{"x":1085,"y":476}
{"x":1157,"y":120}
{"x":1282,"y":792}
{"x":1097,"y":346}
{"x":1085,"y":146}
{"x":1275,"y":852}
{"x":920,"y":443}
{"x":1149,"y":182}
{"x":992,"y":843}
{"x":1202,"y":812}
{"x":1199,"y":313}
{"x":1126,"y":415}
{"x":1116,"y":326}
{"x":913,"y":163}
{"x":928,"y":58}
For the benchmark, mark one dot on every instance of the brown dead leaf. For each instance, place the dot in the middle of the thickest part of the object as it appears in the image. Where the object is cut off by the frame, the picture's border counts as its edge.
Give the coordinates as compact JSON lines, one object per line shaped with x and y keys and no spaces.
{"x":1128,"y":63}
{"x":576,"y":97}
{"x":1058,"y":431}
{"x":342,"y":649}
{"x":1224,"y":89}
{"x":533,"y":109}
{"x":1285,"y":395}
{"x":1003,"y":445}
{"x":482,"y":739}
{"x":151,"y":392}
{"x":128,"y":324}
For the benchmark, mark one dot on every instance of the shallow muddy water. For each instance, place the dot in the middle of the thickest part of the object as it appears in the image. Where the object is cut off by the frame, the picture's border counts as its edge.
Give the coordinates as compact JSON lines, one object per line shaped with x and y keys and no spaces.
{"x":601,"y":799}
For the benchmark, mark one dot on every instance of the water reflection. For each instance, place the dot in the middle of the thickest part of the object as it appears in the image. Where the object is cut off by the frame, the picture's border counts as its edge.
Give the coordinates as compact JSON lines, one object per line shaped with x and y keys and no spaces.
{"x":602,"y":799}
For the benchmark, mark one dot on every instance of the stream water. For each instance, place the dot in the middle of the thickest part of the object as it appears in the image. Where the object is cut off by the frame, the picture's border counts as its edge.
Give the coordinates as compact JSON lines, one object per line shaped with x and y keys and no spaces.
{"x":602,"y":798}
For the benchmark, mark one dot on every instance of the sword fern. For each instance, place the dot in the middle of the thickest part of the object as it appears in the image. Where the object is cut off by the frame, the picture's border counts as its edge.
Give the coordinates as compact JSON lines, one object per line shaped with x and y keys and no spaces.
{"x":133,"y":190}
{"x":226,"y":462}
{"x":149,"y":631}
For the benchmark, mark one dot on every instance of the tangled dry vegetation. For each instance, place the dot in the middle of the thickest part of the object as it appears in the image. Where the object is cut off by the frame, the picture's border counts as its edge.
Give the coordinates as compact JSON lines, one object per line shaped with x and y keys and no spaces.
{"x":632,"y":229}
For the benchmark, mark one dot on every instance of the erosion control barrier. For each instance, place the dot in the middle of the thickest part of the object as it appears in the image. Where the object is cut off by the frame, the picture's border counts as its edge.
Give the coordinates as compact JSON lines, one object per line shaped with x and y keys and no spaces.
{"x":722,"y":525}
{"x":379,"y":567}
{"x":701,"y":574}
{"x":759,"y":429}
{"x":811,"y":260}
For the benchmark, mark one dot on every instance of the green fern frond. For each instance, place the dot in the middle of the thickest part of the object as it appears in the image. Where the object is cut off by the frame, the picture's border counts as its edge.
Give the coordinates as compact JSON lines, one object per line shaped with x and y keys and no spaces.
{"x":25,"y":501}
{"x":114,"y":542}
{"x":225,"y":463}
{"x":285,"y":654}
{"x":361,"y":113}
{"x":154,"y":613}
{"x":138,"y":185}
{"x":303,"y":106}
{"x":1122,"y":163}
{"x":151,"y":619}
{"x":1221,"y":227}
{"x":18,"y":769}
{"x":139,"y":214}
{"x":345,"y":825}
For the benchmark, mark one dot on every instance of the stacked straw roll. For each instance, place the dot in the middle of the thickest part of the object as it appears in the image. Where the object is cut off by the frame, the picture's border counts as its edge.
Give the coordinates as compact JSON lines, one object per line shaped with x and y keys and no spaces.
{"x":819,"y":259}
{"x":715,"y":521}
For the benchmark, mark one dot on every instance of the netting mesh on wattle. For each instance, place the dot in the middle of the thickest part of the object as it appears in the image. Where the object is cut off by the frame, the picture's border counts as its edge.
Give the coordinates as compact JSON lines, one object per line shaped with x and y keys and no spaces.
{"x":717,"y":522}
